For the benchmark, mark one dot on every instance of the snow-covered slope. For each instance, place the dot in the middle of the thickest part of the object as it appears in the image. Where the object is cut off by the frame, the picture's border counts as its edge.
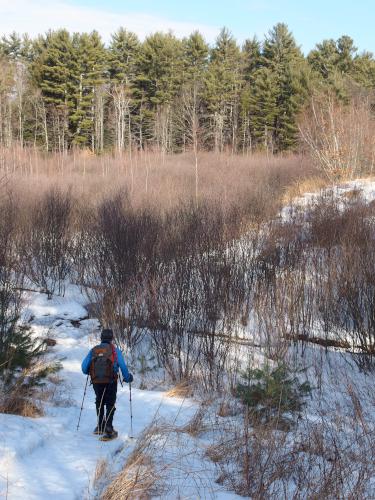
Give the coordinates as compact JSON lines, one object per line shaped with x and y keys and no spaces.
{"x":365,"y":189}
{"x":46,"y":457}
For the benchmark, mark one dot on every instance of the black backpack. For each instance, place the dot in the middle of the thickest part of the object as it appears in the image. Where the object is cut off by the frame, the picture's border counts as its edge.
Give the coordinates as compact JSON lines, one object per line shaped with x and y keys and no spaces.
{"x":101,"y":367}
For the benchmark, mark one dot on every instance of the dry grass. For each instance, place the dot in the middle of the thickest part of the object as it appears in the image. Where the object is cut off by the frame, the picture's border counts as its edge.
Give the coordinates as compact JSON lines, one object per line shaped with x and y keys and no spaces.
{"x":183,"y":389}
{"x":164,"y":464}
{"x":102,"y":476}
{"x":299,"y":187}
{"x":216,"y":452}
{"x":21,"y":400}
{"x":26,"y":399}
{"x":136,"y":481}
{"x":227,"y":409}
{"x":141,"y":478}
{"x":17,"y":402}
{"x":196,"y":424}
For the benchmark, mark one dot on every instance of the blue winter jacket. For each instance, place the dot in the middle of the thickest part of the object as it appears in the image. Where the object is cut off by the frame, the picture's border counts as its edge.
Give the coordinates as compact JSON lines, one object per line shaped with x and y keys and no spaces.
{"x":119,"y":363}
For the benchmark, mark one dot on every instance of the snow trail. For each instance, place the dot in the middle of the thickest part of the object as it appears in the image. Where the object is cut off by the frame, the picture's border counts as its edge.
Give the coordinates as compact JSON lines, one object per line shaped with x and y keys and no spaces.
{"x":46,"y":457}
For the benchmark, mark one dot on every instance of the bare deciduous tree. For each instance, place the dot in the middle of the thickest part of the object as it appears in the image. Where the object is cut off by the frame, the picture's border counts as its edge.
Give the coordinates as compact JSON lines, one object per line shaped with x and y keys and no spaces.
{"x":340,"y":136}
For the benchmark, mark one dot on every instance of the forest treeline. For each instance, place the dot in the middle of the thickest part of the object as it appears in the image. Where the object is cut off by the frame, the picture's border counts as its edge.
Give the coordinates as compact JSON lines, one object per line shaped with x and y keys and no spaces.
{"x":62,"y":90}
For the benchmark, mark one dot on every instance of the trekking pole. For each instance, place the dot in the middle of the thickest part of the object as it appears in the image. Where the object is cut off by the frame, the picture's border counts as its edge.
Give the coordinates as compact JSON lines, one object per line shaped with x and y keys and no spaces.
{"x":84,"y":394}
{"x":131,"y":411}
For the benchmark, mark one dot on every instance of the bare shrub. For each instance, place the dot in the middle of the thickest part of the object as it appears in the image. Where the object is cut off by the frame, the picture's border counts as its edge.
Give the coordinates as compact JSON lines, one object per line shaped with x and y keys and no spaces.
{"x":340,"y":136}
{"x":175,"y":300}
{"x":318,"y":277}
{"x":316,"y":459}
{"x":355,"y":292}
{"x":46,"y":242}
{"x":197,"y":294}
{"x":161,"y":265}
{"x":21,"y":368}
{"x":340,"y":249}
{"x":284,"y":296}
{"x":119,"y":248}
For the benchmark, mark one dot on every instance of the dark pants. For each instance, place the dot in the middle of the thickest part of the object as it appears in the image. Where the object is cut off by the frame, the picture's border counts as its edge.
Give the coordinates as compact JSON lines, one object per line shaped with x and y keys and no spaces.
{"x":105,"y":399}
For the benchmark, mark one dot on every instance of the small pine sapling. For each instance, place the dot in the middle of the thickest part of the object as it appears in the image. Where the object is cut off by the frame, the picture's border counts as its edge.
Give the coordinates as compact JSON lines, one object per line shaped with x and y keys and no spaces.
{"x":272,"y":392}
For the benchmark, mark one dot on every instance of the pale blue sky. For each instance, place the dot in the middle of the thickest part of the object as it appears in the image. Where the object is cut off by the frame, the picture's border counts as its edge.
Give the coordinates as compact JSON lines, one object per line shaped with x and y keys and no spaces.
{"x":309,"y":21}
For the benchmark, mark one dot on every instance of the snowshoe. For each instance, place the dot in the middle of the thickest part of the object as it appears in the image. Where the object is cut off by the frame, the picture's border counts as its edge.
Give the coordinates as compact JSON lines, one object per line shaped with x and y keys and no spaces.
{"x":98,"y":431}
{"x":108,"y":436}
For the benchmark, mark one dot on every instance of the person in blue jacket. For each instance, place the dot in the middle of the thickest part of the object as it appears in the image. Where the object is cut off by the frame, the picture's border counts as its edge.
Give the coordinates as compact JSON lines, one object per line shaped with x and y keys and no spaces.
{"x":106,"y":391}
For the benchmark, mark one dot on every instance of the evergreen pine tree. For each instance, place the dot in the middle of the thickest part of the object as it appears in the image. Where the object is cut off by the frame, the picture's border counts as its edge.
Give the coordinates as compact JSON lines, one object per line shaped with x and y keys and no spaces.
{"x":263,"y":108}
{"x":252,"y":58}
{"x":223,"y":85}
{"x":346,"y":52}
{"x":6,"y":89}
{"x":323,"y":58}
{"x":333,"y":61}
{"x":69,"y":90}
{"x":190,"y":103}
{"x":11,"y":46}
{"x":158,"y":84}
{"x":123,"y":57}
{"x":363,"y":70}
{"x":284,"y":59}
{"x":89,"y":72}
{"x":52,"y":71}
{"x":195,"y":58}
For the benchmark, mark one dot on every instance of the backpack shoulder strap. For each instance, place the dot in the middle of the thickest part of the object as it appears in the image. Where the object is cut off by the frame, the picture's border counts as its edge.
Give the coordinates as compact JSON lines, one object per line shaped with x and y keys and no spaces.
{"x":114,"y":354}
{"x":95,"y":349}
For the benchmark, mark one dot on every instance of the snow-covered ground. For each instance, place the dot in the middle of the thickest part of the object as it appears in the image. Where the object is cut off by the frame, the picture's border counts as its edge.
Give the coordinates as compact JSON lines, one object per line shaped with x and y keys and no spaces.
{"x":365,"y":188}
{"x":46,"y":457}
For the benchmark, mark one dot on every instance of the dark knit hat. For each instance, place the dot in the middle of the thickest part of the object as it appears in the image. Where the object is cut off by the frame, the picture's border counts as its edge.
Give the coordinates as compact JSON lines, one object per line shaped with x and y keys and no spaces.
{"x":106,"y":335}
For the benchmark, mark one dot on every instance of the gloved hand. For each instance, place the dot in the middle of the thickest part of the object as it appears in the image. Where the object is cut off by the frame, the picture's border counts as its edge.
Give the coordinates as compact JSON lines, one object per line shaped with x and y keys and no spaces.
{"x":130,"y":379}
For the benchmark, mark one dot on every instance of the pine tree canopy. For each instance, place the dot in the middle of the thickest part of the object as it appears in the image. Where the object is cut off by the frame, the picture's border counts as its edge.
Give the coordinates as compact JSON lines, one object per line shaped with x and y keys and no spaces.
{"x":75,"y":91}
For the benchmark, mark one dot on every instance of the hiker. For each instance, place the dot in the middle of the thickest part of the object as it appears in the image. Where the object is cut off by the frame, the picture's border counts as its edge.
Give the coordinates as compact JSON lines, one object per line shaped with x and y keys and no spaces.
{"x":102,"y":363}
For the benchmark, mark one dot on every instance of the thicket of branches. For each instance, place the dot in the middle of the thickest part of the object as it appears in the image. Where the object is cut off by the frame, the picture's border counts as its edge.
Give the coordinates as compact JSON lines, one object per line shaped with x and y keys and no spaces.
{"x":340,"y":137}
{"x":169,"y":271}
{"x":198,"y":279}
